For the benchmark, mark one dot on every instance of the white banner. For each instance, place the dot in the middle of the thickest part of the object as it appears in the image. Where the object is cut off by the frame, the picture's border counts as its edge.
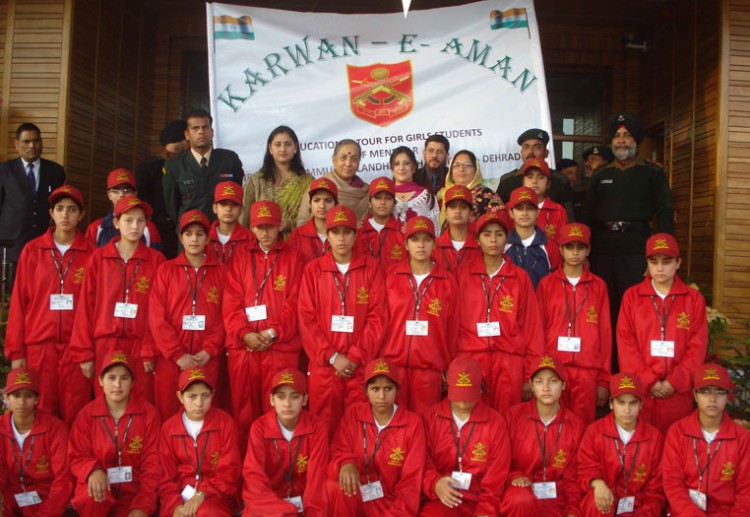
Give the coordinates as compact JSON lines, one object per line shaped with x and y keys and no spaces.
{"x":473,"y":73}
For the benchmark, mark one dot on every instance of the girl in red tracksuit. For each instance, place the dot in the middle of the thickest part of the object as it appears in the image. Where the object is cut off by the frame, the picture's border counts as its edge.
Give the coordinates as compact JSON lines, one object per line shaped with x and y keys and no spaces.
{"x":342,"y":318}
{"x":260,"y":315}
{"x":499,"y":322}
{"x":618,"y":460}
{"x":544,"y":439}
{"x":380,"y":236}
{"x":662,"y":334}
{"x":552,"y":216}
{"x":287,"y":455}
{"x":423,"y":302}
{"x":114,"y":306}
{"x":113,"y":448}
{"x":227,"y":237}
{"x":310,"y":239}
{"x":199,"y":453}
{"x":574,"y":304}
{"x":468,"y":452}
{"x":42,"y":309}
{"x":458,"y":243}
{"x":35,"y":480}
{"x":185,"y":312}
{"x":378,"y":453}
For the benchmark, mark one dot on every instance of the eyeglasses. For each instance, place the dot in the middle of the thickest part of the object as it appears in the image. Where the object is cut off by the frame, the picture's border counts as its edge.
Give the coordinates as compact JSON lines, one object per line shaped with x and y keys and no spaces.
{"x":122,"y":191}
{"x":712,"y":391}
{"x":463,"y":165}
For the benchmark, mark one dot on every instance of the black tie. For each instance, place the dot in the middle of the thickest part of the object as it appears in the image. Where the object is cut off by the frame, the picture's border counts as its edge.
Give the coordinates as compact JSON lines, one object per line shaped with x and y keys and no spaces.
{"x":32,"y":179}
{"x":204,"y":164}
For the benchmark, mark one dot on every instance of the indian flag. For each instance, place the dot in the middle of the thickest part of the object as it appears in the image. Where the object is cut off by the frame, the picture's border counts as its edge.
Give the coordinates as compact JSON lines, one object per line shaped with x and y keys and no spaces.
{"x":229,"y":27}
{"x":510,"y":19}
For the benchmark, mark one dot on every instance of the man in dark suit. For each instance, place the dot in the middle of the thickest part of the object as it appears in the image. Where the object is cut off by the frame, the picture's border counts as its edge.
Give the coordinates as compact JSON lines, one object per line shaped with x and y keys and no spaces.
{"x":190,"y":178}
{"x":25,"y":184}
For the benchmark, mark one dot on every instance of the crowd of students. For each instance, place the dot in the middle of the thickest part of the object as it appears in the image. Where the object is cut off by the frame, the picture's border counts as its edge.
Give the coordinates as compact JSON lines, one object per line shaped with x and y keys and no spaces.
{"x":500,"y":312}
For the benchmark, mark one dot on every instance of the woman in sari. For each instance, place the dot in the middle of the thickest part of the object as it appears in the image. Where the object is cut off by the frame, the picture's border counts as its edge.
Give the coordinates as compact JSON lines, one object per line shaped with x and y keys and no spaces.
{"x":412,"y":199}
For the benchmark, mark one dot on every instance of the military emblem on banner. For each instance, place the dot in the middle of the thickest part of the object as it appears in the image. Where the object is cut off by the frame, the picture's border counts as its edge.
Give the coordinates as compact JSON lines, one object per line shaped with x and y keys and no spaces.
{"x":381,"y":93}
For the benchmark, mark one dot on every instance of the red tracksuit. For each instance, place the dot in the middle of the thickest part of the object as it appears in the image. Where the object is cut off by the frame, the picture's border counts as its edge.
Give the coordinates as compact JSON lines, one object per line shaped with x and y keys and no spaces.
{"x":254,"y":279}
{"x":510,"y":300}
{"x":560,"y":441}
{"x":602,"y":455}
{"x":552,"y":216}
{"x":320,"y":297}
{"x":45,"y":461}
{"x":578,"y":311}
{"x":92,"y":446}
{"x":395,"y":458}
{"x":214,"y":458}
{"x":387,"y":247}
{"x":97,"y":330}
{"x":447,"y":256}
{"x":172,"y":298}
{"x":305,"y":239}
{"x":239,"y":244}
{"x":639,"y":323}
{"x":485,"y":453}
{"x":422,"y":359}
{"x":151,"y":235}
{"x":266,"y":472}
{"x":726,"y":479}
{"x":42,"y":335}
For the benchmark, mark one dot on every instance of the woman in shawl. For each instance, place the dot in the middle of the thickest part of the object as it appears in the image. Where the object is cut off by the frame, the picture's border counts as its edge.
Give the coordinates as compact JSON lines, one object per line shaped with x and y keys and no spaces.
{"x":412,"y":199}
{"x":282,"y":178}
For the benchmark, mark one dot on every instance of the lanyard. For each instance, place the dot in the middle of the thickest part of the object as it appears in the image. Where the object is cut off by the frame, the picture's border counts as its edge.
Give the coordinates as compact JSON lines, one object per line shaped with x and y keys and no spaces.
{"x":196,"y":468}
{"x":378,"y":443}
{"x":342,"y":293}
{"x":572,"y":318}
{"x":16,"y":460}
{"x":118,"y":446}
{"x":259,"y":290}
{"x":194,"y":292}
{"x":703,"y":469}
{"x":125,"y":276}
{"x":381,"y":241}
{"x":221,"y":257}
{"x":288,"y":474}
{"x":62,"y":273}
{"x":419,"y":296}
{"x":663,"y":316}
{"x":489,"y":298}
{"x":457,"y":440}
{"x":621,"y":456}
{"x":543,"y":446}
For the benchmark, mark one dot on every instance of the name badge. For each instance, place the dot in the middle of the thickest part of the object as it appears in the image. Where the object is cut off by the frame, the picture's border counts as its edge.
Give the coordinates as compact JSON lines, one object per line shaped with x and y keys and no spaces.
{"x":342,"y":324}
{"x":662,"y":348}
{"x":126,"y":310}
{"x":546,"y":490}
{"x":256,"y":313}
{"x":60,"y":302}
{"x":626,"y":505}
{"x":187,"y":493}
{"x":27,"y":499}
{"x":417,"y":328}
{"x":371,"y":491}
{"x":119,"y":475}
{"x":462,"y":480}
{"x":699,"y":498}
{"x":296,"y":501}
{"x":488,"y":329}
{"x":193,"y":322}
{"x":568,"y":344}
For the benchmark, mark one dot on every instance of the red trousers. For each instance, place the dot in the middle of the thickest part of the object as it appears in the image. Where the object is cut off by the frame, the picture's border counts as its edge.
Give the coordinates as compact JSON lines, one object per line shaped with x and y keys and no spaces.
{"x":85,"y":505}
{"x":503,"y":376}
{"x":329,"y":395}
{"x":166,"y":384}
{"x":215,"y":506}
{"x":438,"y":509}
{"x":588,"y":507}
{"x":521,"y":502}
{"x":662,"y":413}
{"x":420,"y":389}
{"x":580,"y":392}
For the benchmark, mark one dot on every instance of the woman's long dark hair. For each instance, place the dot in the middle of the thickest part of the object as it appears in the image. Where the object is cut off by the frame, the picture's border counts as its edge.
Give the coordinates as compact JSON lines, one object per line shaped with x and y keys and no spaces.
{"x":268,"y":170}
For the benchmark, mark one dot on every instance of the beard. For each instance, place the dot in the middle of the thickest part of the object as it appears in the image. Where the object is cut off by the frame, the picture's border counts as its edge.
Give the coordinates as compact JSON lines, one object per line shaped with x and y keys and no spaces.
{"x":625,"y":152}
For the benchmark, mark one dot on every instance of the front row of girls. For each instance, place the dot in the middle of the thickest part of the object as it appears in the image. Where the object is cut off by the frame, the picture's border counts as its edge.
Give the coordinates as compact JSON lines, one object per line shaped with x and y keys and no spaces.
{"x":461,"y":458}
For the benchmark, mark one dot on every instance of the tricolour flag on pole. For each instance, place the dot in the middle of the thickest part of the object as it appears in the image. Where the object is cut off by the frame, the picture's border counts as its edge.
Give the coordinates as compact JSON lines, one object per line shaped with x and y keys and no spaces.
{"x":228,"y":27}
{"x":510,"y":19}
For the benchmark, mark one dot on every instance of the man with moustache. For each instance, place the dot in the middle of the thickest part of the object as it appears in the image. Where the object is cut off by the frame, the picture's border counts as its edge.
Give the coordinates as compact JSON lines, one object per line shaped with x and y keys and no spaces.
{"x":432,"y":174}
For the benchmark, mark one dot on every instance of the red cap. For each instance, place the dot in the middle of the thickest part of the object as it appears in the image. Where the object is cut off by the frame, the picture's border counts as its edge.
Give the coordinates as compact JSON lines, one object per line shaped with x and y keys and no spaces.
{"x":522,"y":195}
{"x":324,"y":184}
{"x":191,"y":375}
{"x":68,"y":191}
{"x":382,"y":184}
{"x":341,"y":216}
{"x":265,"y":212}
{"x":662,"y":244}
{"x":625,"y":383}
{"x":129,"y":202}
{"x":382,"y":366}
{"x":228,"y":191}
{"x":120,"y":177}
{"x":464,"y":380}
{"x":492,"y":217}
{"x":22,"y":378}
{"x":574,"y":232}
{"x":460,"y":193}
{"x":115,"y":358}
{"x":194,"y":217}
{"x":295,"y":379}
{"x":419,"y":224}
{"x":536,"y":163}
{"x":548,"y":361}
{"x":711,"y":374}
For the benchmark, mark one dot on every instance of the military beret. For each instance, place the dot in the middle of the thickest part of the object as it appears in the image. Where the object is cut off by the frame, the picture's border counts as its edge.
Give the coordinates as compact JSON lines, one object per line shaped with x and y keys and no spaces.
{"x":565,"y":163}
{"x":534,"y":134}
{"x":599,"y":150}
{"x":631,"y":122}
{"x":173,"y":132}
